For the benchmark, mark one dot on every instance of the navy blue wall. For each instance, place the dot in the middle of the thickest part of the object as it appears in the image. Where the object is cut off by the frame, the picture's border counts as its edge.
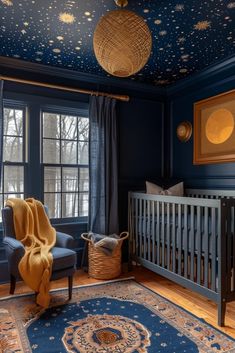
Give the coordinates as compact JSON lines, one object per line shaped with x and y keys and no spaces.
{"x":140,"y":150}
{"x":148,"y":146}
{"x":139,"y":124}
{"x":180,"y":102}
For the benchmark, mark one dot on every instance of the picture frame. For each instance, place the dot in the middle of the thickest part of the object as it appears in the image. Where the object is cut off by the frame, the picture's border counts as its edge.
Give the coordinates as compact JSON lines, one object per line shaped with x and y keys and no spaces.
{"x":214,"y":129}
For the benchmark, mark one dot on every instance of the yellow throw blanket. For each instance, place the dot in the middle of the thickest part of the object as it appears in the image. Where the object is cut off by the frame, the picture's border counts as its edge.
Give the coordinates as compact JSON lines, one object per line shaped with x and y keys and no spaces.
{"x":33,"y":229}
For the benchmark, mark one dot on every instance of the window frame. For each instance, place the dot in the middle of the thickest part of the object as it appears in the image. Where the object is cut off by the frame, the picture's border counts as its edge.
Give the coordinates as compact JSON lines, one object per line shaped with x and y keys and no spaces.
{"x":34,"y":102}
{"x":62,"y":110}
{"x":16,"y":105}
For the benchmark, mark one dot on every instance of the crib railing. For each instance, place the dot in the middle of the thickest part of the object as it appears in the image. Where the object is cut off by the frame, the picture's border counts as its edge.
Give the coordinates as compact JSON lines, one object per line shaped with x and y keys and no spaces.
{"x":210,"y":194}
{"x":189,"y":240}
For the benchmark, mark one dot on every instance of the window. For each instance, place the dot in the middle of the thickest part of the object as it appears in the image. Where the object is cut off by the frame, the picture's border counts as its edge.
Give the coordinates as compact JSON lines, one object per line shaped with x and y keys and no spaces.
{"x":45,"y":154}
{"x":65,"y":164}
{"x":13,"y":153}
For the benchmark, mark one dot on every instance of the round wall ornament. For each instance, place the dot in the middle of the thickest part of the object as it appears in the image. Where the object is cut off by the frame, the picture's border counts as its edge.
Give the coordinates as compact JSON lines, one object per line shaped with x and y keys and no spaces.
{"x":184,"y":131}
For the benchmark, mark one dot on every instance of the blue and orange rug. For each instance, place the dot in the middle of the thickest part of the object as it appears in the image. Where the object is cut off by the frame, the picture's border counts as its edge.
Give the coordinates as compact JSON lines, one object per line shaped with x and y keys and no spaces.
{"x":115,"y":317}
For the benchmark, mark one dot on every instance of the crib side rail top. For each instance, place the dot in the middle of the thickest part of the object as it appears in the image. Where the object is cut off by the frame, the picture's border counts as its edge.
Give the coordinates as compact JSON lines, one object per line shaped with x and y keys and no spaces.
{"x":210,"y":193}
{"x":194,"y":201}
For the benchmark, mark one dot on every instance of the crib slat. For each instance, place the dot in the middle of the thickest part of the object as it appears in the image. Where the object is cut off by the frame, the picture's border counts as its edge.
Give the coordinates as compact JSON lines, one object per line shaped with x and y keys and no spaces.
{"x":206,"y":254}
{"x":144,"y":228}
{"x":173,"y":238}
{"x":214,"y":247}
{"x":148,"y":228}
{"x":199,"y":249}
{"x":153,"y":232}
{"x":185,"y":241}
{"x":158,"y":233}
{"x":140,"y":229}
{"x":136,"y":230}
{"x":163,"y":233}
{"x":192,"y":232}
{"x":229,"y":246}
{"x":233,"y":248}
{"x":179,"y":238}
{"x":168,"y":236}
{"x":131,"y":221}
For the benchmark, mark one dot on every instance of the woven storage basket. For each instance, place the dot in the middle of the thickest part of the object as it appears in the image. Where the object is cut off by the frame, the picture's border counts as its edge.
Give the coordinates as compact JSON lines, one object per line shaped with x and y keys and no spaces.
{"x":100,"y":265}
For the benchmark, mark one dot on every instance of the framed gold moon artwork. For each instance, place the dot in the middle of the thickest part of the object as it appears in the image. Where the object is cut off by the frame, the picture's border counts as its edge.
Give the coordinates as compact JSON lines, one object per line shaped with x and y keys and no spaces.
{"x":214,"y":129}
{"x":184,"y":131}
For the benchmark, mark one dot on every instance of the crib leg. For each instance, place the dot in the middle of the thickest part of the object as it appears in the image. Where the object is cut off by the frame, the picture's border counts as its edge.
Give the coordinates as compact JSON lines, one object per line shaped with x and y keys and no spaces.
{"x":221,"y":313}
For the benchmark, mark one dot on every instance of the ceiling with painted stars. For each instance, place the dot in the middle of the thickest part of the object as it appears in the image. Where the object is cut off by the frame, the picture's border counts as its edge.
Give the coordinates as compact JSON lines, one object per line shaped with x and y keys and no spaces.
{"x":188,"y":35}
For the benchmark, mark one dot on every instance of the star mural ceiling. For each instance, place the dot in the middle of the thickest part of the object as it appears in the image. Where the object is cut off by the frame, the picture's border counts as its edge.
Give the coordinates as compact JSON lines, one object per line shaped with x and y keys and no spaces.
{"x":188,"y":35}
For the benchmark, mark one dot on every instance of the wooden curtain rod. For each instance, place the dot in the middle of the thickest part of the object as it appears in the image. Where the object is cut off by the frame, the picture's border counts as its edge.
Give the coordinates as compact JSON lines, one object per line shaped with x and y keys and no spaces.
{"x":66,"y":88}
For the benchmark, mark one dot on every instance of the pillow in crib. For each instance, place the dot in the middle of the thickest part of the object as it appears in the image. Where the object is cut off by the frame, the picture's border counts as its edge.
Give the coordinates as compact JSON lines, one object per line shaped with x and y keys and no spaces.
{"x":153,"y":188}
{"x":175,"y":190}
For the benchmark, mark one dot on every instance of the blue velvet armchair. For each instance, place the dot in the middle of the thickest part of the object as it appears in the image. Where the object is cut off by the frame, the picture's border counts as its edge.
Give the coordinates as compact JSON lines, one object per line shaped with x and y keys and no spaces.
{"x":64,"y":258}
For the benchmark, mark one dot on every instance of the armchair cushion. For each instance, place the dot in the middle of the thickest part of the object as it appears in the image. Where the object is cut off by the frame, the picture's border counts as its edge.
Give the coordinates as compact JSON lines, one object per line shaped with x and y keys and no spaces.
{"x":63,"y":258}
{"x":64,"y":240}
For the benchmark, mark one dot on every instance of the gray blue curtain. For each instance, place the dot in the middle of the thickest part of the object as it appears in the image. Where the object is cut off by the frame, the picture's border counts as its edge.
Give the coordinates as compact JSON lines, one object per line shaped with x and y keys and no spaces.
{"x":1,"y":128}
{"x":103,"y":165}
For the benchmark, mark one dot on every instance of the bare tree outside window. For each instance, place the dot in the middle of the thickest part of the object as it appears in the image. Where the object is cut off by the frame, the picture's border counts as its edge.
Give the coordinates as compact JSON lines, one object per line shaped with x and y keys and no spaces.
{"x":65,"y":159}
{"x":13,"y":154}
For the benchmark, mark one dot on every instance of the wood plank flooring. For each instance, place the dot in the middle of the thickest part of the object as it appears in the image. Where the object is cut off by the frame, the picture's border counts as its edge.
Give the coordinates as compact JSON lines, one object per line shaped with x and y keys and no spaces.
{"x":194,"y":303}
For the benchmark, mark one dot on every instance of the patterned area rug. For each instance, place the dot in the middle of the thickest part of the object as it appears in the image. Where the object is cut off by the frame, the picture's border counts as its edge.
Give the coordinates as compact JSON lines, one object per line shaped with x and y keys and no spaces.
{"x":115,"y":317}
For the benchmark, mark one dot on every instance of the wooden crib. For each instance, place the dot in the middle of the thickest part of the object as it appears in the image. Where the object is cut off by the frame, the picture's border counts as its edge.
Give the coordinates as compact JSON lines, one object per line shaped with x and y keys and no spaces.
{"x":189,"y":240}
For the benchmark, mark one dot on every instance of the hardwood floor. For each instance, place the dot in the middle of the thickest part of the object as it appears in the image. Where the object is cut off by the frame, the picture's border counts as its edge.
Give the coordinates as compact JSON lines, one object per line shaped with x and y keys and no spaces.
{"x":194,"y":303}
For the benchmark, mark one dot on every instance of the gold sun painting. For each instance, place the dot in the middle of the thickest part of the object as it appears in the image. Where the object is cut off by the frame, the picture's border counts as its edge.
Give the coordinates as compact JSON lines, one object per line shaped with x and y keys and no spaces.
{"x":214,"y":129}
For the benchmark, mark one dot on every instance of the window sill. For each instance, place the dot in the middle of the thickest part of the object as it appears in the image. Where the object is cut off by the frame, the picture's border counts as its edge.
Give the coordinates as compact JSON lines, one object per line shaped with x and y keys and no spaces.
{"x":75,"y":223}
{"x":69,"y":221}
{"x":79,"y":223}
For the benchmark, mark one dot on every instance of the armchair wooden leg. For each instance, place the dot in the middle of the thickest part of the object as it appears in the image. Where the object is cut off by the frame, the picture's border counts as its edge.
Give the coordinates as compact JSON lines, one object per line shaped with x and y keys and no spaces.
{"x":13,"y":284}
{"x":70,"y":284}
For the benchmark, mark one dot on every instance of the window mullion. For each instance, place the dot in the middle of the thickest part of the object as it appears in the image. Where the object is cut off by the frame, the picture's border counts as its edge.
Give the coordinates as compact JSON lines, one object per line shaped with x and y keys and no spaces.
{"x":77,"y":140}
{"x":61,"y":191}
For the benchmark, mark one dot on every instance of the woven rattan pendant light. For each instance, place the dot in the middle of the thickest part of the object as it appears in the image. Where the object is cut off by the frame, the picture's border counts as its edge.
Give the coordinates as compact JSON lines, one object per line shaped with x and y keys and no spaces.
{"x":122,"y":42}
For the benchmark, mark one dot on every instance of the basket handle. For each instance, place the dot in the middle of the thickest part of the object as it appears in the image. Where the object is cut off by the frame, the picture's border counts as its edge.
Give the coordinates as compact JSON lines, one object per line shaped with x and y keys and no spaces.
{"x":124,"y":235}
{"x":84,"y":237}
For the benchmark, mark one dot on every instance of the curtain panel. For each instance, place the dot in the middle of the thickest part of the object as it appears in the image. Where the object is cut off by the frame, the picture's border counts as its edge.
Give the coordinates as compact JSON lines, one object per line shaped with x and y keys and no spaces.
{"x":103,"y":166}
{"x":1,"y":128}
